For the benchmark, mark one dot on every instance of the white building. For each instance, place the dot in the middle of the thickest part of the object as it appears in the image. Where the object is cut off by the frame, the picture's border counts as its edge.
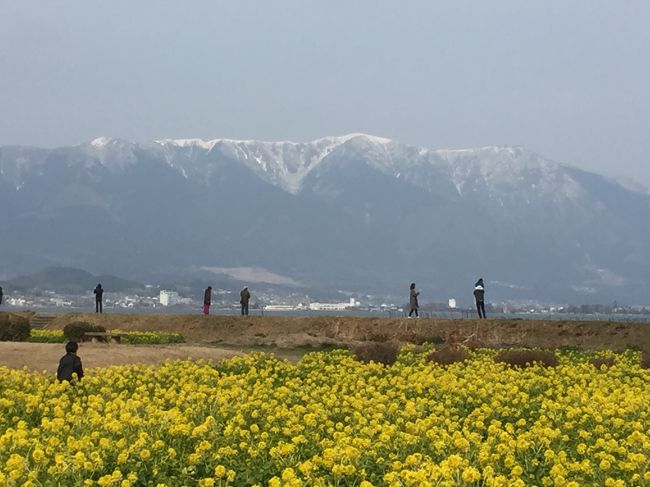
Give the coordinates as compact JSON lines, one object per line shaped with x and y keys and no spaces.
{"x":169,"y":298}
{"x":329,"y":306}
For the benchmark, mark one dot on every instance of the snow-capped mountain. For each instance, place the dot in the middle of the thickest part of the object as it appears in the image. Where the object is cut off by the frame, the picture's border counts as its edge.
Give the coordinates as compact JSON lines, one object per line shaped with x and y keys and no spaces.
{"x":358,"y":212}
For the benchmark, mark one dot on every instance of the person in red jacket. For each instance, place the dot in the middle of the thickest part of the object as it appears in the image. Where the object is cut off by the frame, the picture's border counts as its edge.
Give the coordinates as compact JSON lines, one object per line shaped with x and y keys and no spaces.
{"x":207,"y":300}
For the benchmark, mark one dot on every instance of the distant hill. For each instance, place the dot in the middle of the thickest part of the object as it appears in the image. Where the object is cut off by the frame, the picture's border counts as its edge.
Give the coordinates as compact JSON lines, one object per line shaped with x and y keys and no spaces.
{"x":355,"y":213}
{"x":73,"y":281}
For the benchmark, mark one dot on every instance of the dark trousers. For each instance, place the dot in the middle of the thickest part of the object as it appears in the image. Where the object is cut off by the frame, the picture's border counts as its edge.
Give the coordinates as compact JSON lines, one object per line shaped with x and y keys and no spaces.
{"x":244,"y":309}
{"x":480,"y":306}
{"x":413,"y":310}
{"x":98,"y":306}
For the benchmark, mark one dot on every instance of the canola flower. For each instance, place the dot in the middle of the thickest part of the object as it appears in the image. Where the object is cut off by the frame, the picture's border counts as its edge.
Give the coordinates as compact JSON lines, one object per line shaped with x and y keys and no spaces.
{"x":330,"y":420}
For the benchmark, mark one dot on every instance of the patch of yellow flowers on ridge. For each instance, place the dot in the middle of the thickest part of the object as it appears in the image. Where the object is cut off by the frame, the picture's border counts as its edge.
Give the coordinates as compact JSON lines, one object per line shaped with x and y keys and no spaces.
{"x":330,"y":420}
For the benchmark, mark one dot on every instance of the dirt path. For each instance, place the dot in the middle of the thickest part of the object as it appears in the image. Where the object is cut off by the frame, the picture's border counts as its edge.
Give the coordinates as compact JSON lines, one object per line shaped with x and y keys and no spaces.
{"x":45,"y":356}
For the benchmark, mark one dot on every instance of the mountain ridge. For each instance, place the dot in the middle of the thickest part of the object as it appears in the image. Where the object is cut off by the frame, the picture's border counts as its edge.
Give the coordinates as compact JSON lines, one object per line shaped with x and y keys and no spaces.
{"x":350,"y":211}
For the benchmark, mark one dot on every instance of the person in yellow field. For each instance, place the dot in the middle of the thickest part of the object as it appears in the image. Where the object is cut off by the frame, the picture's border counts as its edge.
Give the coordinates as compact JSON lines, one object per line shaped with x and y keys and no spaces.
{"x":70,"y":364}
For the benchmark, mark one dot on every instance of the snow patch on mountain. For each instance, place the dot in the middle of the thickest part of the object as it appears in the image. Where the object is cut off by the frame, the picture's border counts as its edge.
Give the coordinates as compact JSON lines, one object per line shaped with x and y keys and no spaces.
{"x":282,"y":163}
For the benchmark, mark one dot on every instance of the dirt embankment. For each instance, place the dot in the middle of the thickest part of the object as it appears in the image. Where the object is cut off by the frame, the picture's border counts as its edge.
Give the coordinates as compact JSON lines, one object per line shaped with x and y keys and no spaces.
{"x":297,"y":331}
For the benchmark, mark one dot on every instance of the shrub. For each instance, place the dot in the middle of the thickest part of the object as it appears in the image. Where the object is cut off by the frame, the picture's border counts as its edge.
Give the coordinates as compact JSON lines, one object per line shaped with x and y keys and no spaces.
{"x":645,"y":360}
{"x":434,"y":339}
{"x":380,"y":352}
{"x":75,"y":331}
{"x":448,"y":356}
{"x":598,"y":362}
{"x":14,"y":328}
{"x":526,"y":358}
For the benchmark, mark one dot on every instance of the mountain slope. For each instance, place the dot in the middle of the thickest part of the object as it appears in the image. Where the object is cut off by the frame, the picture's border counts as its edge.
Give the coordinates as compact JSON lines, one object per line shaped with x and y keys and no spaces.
{"x":355,"y":212}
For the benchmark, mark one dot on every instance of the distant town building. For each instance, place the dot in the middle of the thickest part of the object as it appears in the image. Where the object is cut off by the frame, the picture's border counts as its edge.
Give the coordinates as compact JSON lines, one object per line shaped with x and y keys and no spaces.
{"x":169,"y":298}
{"x":333,"y":306}
{"x":452,"y":303}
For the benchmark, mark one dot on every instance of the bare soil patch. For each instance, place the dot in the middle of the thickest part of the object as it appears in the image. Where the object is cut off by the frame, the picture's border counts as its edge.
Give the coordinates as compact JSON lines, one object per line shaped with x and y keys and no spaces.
{"x":45,"y":356}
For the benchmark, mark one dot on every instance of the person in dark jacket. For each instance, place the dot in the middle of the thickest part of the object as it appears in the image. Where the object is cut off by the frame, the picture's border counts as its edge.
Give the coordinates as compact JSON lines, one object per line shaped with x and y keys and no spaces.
{"x":479,"y":295}
{"x":1,"y":294}
{"x":207,"y":300}
{"x":245,"y":296}
{"x":70,"y":364}
{"x":413,"y":300}
{"x":99,"y":295}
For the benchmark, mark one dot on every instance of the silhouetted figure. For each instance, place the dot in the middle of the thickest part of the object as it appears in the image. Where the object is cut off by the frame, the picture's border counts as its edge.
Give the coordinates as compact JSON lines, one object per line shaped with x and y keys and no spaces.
{"x":413,"y":301}
{"x":70,"y":363}
{"x":1,"y":294}
{"x":99,"y":295}
{"x":207,"y":300}
{"x":245,"y":296}
{"x":479,"y":295}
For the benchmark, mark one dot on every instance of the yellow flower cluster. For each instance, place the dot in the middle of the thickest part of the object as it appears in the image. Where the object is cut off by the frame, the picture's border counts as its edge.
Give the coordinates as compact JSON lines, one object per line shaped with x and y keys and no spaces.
{"x":330,"y":420}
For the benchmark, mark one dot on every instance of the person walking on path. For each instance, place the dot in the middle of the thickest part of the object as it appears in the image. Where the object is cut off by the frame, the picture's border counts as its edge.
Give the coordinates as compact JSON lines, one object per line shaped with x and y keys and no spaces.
{"x":1,"y":294}
{"x":207,"y":300}
{"x":99,"y":295}
{"x":245,"y":296}
{"x":413,"y":301}
{"x":70,"y":364}
{"x":479,"y":295}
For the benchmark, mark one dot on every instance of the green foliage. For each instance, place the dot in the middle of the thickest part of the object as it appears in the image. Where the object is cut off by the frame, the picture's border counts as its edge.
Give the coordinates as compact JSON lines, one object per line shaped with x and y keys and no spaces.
{"x":149,"y":337}
{"x":14,"y":328}
{"x":47,"y":336}
{"x":75,"y":331}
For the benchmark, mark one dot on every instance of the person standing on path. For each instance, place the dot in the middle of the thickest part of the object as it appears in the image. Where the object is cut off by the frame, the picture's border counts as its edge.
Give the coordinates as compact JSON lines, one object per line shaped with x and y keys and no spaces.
{"x":413,"y":300}
{"x":70,"y":364}
{"x":207,"y":300}
{"x":99,"y":294}
{"x":479,"y":295}
{"x":245,"y":296}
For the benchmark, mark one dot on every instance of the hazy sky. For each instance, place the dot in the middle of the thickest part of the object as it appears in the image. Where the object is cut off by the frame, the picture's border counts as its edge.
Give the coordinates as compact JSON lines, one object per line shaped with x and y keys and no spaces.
{"x":568,"y":79}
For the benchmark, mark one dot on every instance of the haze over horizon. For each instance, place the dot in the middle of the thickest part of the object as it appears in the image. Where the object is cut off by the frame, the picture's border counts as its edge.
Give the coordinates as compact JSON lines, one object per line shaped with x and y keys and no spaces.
{"x":563,"y":79}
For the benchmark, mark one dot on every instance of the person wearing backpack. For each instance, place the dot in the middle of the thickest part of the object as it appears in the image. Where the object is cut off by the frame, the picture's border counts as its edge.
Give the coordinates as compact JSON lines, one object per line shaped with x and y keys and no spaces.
{"x":479,"y":296}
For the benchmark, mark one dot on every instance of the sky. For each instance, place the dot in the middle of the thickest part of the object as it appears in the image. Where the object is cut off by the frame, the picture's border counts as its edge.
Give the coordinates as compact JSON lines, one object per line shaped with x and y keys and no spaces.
{"x":569,"y":79}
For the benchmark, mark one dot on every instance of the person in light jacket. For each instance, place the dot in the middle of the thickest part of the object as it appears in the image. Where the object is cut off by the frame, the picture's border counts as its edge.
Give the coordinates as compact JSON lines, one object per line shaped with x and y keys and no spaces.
{"x":413,"y":300}
{"x":479,"y":296}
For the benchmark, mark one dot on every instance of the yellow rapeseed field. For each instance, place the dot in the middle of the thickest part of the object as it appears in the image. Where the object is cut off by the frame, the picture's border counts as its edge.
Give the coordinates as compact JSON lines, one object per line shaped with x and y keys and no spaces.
{"x":330,"y":420}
